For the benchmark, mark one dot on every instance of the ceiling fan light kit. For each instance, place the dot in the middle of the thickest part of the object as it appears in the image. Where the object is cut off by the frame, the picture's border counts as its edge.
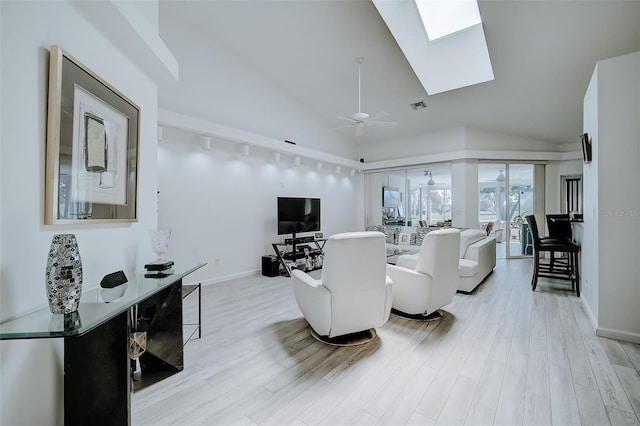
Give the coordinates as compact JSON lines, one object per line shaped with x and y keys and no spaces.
{"x":431,"y":182}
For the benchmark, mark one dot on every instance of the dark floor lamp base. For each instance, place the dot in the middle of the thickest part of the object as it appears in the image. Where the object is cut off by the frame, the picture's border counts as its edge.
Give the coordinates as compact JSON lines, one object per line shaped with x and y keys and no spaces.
{"x":353,"y":339}
{"x":433,"y":316}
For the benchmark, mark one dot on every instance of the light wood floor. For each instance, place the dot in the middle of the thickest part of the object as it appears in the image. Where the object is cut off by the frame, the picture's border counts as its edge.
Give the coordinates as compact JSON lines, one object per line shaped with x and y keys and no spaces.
{"x":503,"y":355}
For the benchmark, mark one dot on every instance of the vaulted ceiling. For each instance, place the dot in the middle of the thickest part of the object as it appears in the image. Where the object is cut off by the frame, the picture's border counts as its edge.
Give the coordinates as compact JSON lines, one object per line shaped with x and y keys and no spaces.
{"x":543,"y":54}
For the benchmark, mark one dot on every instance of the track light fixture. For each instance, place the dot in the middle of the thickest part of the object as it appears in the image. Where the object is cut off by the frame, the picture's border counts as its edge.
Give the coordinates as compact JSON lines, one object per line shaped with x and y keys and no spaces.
{"x":205,"y":142}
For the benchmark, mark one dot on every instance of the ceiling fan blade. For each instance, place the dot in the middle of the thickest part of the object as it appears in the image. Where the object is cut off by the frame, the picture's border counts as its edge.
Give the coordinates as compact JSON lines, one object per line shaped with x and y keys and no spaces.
{"x":344,"y":127}
{"x":359,"y":129}
{"x":345,"y":118}
{"x":384,"y":124}
{"x":378,"y":116}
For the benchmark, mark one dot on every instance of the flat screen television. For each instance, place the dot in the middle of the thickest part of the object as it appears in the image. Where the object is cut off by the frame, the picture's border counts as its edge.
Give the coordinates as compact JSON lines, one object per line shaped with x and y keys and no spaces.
{"x":586,"y":148}
{"x":298,"y":215}
{"x":390,"y":197}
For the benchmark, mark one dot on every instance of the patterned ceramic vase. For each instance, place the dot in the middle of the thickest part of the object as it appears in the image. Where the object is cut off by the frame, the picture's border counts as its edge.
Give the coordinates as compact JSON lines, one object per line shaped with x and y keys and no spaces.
{"x":64,"y":274}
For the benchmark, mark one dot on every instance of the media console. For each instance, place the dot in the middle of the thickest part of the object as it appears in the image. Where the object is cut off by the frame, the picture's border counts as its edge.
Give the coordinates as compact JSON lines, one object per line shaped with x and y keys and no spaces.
{"x":303,"y":253}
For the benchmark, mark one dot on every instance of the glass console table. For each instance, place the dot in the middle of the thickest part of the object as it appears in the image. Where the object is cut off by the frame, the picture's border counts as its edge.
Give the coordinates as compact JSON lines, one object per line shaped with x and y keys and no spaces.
{"x":97,"y":379}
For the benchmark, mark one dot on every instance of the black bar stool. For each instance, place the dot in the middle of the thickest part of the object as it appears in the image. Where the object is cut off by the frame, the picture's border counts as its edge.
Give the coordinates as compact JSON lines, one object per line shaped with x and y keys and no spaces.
{"x":559,"y":228}
{"x":568,"y":271}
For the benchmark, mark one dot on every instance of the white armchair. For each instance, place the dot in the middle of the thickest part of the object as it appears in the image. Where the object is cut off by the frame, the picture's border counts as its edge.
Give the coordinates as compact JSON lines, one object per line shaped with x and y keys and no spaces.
{"x":420,"y":292}
{"x":354,"y":293}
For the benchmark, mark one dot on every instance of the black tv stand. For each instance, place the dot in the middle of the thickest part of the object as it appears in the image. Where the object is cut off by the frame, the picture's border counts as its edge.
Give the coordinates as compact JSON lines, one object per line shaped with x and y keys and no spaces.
{"x":288,"y":254}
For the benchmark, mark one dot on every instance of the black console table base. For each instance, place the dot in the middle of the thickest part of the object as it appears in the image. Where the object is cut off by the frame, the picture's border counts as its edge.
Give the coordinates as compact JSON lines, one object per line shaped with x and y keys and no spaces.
{"x":97,"y":367}
{"x":97,"y":380}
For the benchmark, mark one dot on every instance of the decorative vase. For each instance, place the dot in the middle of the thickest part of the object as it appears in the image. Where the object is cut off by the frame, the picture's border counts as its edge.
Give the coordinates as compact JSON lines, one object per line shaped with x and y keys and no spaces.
{"x":64,"y":274}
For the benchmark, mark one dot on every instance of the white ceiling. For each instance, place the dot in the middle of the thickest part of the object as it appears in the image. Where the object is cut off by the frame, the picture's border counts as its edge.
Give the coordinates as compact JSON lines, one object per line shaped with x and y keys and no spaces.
{"x":543,"y":54}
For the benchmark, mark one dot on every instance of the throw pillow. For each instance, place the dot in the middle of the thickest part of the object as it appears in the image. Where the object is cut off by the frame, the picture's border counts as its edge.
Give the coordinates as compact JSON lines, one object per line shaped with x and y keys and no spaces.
{"x":390,"y":232}
{"x":420,"y":234}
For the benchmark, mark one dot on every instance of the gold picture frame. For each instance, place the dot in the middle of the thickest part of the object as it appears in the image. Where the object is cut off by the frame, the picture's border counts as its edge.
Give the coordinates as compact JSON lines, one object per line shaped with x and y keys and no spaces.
{"x":92,"y":147}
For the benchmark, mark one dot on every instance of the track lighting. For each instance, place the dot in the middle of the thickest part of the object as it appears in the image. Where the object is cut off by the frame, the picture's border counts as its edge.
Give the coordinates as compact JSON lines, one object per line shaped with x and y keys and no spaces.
{"x":205,"y":142}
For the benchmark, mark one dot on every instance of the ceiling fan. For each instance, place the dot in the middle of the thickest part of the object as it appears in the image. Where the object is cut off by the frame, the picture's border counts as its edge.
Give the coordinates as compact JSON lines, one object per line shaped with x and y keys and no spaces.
{"x":361,"y":119}
{"x":431,"y":182}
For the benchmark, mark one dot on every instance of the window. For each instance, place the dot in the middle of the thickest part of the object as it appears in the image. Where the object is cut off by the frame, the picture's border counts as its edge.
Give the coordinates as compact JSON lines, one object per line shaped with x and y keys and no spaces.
{"x":424,"y":193}
{"x":430,"y":188}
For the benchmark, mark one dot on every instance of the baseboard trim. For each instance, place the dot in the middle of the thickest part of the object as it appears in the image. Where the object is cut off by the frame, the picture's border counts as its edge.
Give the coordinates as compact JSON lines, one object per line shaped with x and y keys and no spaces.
{"x":587,"y":308}
{"x":607,"y":332}
{"x":223,"y":278}
{"x":618,"y":335}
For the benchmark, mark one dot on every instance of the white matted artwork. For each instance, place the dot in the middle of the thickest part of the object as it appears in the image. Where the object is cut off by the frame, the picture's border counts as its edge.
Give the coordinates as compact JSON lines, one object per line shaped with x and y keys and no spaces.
{"x":405,"y":238}
{"x":93,"y":133}
{"x":99,"y":161}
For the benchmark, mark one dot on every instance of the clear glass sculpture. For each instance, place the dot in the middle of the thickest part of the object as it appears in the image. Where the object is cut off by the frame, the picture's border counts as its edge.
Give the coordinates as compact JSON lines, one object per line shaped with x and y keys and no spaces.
{"x":160,"y":242}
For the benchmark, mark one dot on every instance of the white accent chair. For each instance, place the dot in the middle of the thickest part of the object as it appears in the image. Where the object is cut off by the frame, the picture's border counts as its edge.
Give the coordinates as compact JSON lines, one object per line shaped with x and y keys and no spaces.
{"x":354,"y":293}
{"x":419,"y":292}
{"x":477,"y":259}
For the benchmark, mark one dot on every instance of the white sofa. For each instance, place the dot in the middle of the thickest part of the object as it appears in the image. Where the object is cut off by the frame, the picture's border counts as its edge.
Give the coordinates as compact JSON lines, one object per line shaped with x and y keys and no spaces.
{"x":497,"y":230}
{"x":477,"y":258}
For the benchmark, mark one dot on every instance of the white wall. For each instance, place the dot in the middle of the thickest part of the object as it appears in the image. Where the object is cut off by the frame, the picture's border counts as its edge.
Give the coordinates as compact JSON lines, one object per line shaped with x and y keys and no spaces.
{"x":433,"y":143}
{"x":222,"y":207}
{"x":373,"y":197}
{"x":236,"y":95}
{"x":31,"y":385}
{"x":615,"y":217}
{"x":456,"y":140}
{"x":464,"y":193}
{"x":590,"y":243}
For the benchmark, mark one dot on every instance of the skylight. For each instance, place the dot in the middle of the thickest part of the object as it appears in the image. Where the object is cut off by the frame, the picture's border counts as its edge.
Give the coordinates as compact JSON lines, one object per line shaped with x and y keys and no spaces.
{"x":459,"y":58}
{"x":445,"y":17}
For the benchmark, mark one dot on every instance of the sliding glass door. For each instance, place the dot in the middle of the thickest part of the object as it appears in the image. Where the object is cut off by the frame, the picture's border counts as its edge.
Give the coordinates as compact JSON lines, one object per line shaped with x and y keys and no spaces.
{"x":521,"y":204}
{"x":506,"y":196}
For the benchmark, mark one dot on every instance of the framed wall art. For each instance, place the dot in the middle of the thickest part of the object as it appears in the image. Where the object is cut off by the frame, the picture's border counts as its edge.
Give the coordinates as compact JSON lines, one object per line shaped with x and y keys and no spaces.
{"x":92,"y":147}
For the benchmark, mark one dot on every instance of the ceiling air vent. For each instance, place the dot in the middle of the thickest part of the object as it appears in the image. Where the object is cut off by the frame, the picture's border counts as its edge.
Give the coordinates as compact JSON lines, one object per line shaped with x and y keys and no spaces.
{"x":418,"y":105}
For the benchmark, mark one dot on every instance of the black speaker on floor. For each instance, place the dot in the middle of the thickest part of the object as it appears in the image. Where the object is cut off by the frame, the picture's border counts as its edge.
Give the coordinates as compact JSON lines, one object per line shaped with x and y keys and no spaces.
{"x":270,"y":266}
